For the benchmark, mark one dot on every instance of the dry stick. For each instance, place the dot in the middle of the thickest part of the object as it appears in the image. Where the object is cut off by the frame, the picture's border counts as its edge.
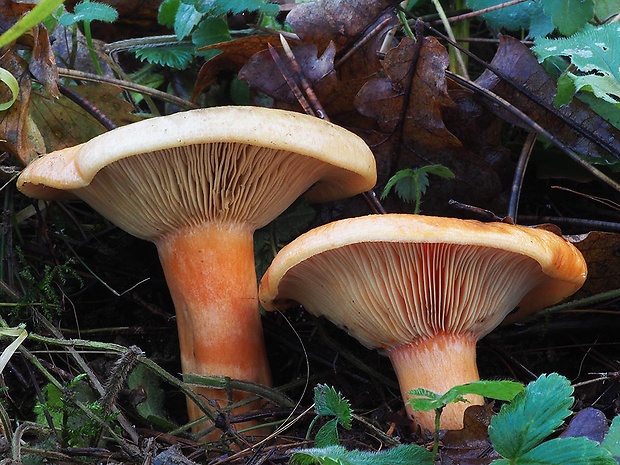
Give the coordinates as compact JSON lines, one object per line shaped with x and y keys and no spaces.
{"x":313,"y":107}
{"x":517,"y":181}
{"x":130,"y":86}
{"x":87,"y":106}
{"x":496,"y":99}
{"x":482,"y":11}
{"x":530,"y":95}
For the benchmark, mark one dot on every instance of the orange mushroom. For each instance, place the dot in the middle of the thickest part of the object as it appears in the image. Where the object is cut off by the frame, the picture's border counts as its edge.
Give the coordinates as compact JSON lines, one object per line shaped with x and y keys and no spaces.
{"x":198,"y":184}
{"x":423,"y":290}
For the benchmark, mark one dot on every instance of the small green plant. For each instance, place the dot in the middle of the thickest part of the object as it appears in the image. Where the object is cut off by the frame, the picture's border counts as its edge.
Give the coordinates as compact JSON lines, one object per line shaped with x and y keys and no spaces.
{"x":328,"y":451}
{"x":520,"y":431}
{"x":86,"y":12}
{"x":425,"y":400}
{"x":44,"y":291}
{"x":410,"y":184}
{"x":74,"y":427}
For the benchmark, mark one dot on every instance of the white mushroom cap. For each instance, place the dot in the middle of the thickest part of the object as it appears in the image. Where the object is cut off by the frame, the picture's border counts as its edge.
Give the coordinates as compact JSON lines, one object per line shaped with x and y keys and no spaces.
{"x":235,"y":164}
{"x":390,"y":279}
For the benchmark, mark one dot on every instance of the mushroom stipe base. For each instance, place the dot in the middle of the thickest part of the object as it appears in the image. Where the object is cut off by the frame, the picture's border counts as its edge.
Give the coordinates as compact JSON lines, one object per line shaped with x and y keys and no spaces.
{"x":438,"y":363}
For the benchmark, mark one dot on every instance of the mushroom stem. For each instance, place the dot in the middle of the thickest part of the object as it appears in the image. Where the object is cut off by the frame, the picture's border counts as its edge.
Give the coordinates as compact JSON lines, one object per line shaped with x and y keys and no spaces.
{"x":437,"y":363}
{"x":211,"y":275}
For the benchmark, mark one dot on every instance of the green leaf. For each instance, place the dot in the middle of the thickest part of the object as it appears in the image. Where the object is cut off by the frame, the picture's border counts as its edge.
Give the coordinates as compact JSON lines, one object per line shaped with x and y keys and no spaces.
{"x":612,"y":439}
{"x":532,"y":416}
{"x":399,"y":177}
{"x":328,"y":401}
{"x":168,"y":12}
{"x":525,"y":15}
{"x":573,"y":451}
{"x":425,"y":400}
{"x":569,"y":16}
{"x":595,"y":53}
{"x":185,"y":20}
{"x":327,"y":435}
{"x":499,"y":390}
{"x":223,"y":7}
{"x":36,"y":15}
{"x":173,"y":56}
{"x":9,"y":80}
{"x":400,"y":455}
{"x":89,"y":11}
{"x":210,"y":31}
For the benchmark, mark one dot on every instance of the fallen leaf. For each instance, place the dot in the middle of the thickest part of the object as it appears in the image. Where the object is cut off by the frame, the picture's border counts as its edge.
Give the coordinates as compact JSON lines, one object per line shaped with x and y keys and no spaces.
{"x":470,"y":445}
{"x":262,"y":73}
{"x":63,"y":123}
{"x":409,"y":105}
{"x":235,"y":54}
{"x":516,"y":61}
{"x":601,"y":251}
{"x":17,"y":134}
{"x":43,"y":64}
{"x":340,"y":21}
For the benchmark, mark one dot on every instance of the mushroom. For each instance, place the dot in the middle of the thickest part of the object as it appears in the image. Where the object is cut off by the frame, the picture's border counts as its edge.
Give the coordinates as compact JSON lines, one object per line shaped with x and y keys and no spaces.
{"x":423,"y":290}
{"x":198,"y":184}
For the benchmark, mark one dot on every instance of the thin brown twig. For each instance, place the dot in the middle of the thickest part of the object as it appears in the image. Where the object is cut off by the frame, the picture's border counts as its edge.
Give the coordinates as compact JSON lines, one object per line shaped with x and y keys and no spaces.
{"x":311,"y":104}
{"x":290,"y":81}
{"x":517,"y":181}
{"x":482,"y":11}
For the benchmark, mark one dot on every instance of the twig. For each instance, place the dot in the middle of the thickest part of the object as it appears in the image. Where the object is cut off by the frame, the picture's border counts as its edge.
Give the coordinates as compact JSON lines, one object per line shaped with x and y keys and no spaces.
{"x":311,"y":104}
{"x":586,"y":224}
{"x":87,"y":106}
{"x":517,"y":181}
{"x":496,"y":99}
{"x":74,"y":74}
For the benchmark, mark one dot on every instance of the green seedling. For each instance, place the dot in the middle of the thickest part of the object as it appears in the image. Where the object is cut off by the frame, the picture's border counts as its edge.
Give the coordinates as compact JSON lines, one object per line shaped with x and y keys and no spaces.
{"x":86,"y":12}
{"x":410,"y":184}
{"x":425,"y":400}
{"x":328,"y":451}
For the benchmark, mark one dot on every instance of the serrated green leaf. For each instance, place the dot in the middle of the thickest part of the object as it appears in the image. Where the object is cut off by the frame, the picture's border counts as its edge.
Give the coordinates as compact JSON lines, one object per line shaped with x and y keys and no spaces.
{"x":399,"y":175}
{"x":329,"y":402}
{"x":612,"y":438}
{"x":532,"y":416}
{"x":438,"y":170}
{"x":173,"y":56}
{"x":400,"y":455}
{"x":327,"y":435}
{"x":223,"y":7}
{"x":573,"y":451}
{"x":569,"y":16}
{"x":595,"y":53}
{"x":89,"y":11}
{"x":424,"y":400}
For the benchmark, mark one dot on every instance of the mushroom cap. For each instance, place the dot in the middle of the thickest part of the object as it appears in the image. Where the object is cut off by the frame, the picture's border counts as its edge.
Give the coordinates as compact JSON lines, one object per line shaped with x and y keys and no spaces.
{"x":239,"y":164}
{"x":391,"y":279}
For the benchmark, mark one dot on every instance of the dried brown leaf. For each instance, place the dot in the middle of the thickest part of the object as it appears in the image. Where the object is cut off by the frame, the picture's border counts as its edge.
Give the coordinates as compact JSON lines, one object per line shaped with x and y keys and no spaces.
{"x":601,"y":251}
{"x":340,"y":21}
{"x":516,"y":61}
{"x":63,"y":123}
{"x":18,"y":135}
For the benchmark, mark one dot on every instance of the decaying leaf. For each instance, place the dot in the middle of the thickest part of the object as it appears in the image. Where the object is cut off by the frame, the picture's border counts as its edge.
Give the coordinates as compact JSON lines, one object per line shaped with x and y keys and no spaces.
{"x":408,"y":106}
{"x":340,"y":21}
{"x":581,"y":129}
{"x":235,"y":54}
{"x":63,"y":123}
{"x":18,"y":134}
{"x":602,"y":253}
{"x":319,"y":71}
